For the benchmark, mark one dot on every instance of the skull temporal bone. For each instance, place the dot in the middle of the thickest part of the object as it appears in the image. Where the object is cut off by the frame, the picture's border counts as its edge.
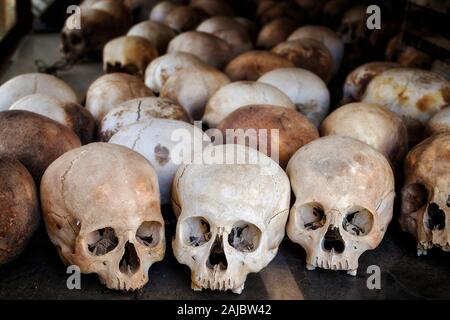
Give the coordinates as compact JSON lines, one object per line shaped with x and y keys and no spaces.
{"x":344,"y":200}
{"x":231,"y":219}
{"x":101,"y":208}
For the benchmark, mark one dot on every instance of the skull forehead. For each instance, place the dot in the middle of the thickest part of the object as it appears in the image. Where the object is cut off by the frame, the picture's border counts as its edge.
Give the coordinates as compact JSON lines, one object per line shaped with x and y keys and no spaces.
{"x":104,"y":182}
{"x":338,"y":166}
{"x":430,"y":160}
{"x":231,"y":185}
{"x":248,"y":186}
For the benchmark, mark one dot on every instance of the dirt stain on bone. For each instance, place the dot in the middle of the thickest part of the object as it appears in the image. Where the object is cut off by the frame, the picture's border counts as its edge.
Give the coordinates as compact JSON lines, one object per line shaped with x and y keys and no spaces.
{"x":162,"y":154}
{"x":426,"y":102}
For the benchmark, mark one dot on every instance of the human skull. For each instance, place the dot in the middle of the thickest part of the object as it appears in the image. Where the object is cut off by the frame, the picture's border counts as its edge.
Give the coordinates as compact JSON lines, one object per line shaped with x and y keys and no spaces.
{"x":31,"y":83}
{"x":357,"y":80}
{"x":36,"y":141}
{"x":129,"y":54}
{"x":160,"y":69}
{"x":166,"y":144}
{"x":354,"y":32}
{"x":416,"y":95}
{"x":158,"y":34}
{"x":229,"y":30}
{"x":231,"y":216}
{"x":101,"y":208}
{"x":306,"y":90}
{"x":161,"y":10}
{"x":425,"y":196}
{"x":191,"y":88}
{"x":136,"y":110}
{"x":100,"y":22}
{"x":275,"y":32}
{"x":325,"y":35}
{"x":19,"y":207}
{"x":210,"y":49}
{"x":251,"y":65}
{"x":308,"y":54}
{"x":242,"y":93}
{"x":344,"y":201}
{"x":110,"y":90}
{"x":184,"y":18}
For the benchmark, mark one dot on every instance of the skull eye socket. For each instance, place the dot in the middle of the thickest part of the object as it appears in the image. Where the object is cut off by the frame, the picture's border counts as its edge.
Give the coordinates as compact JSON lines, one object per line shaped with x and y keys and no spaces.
{"x":148,"y":234}
{"x":311,"y":216}
{"x":414,"y":197}
{"x":196,"y":231}
{"x":102,"y":241}
{"x":358,"y":222}
{"x":244,"y":237}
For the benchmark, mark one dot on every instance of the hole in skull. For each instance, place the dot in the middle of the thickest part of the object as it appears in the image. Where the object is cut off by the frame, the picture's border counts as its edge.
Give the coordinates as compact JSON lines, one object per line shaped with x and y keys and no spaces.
{"x":196,"y":231}
{"x":414,"y":197}
{"x":448,"y":201}
{"x":436,"y":217}
{"x":358,"y":222}
{"x":130,"y":261}
{"x":333,"y":240}
{"x":148,"y":233}
{"x":217,"y":255}
{"x":244,"y":237}
{"x":102,"y":241}
{"x":312,"y":216}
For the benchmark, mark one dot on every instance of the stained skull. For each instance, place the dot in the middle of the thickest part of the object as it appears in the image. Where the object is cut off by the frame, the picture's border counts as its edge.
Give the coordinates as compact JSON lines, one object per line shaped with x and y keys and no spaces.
{"x":101,"y":208}
{"x":344,"y":200}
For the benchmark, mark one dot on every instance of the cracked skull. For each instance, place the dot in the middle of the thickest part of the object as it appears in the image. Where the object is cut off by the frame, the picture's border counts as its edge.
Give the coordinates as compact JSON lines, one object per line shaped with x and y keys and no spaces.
{"x":425,"y":196}
{"x":101,"y":208}
{"x":344,"y":200}
{"x":231,"y":217}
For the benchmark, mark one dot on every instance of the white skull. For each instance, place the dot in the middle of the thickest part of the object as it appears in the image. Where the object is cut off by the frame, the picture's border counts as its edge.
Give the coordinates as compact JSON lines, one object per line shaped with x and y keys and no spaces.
{"x":344,"y":200}
{"x":231,"y":217}
{"x":166,"y":144}
{"x":307,"y":91}
{"x":139,"y":109}
{"x":425,"y":209}
{"x":160,"y":69}
{"x":242,"y":93}
{"x":101,"y":209}
{"x":31,"y":83}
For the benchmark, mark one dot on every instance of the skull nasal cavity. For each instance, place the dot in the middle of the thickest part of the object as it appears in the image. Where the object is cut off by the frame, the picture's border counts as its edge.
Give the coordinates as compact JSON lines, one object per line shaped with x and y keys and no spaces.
{"x":130,"y":261}
{"x":436,"y":217}
{"x":217,"y":255}
{"x":333,"y":240}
